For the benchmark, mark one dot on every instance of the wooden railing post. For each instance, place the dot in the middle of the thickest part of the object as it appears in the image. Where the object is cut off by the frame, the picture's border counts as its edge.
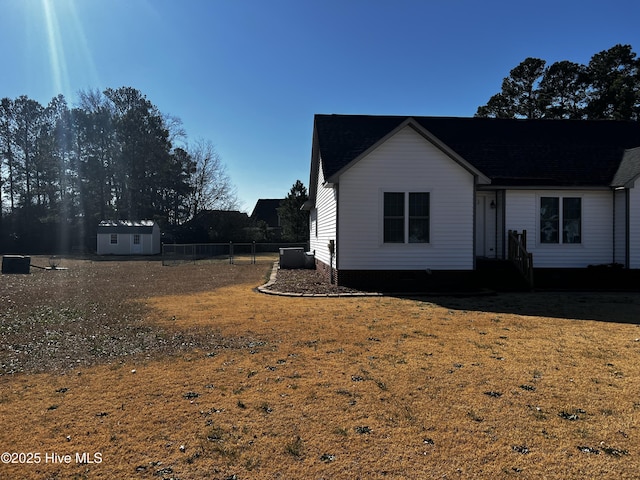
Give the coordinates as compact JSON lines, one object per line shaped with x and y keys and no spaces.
{"x":518,"y":254}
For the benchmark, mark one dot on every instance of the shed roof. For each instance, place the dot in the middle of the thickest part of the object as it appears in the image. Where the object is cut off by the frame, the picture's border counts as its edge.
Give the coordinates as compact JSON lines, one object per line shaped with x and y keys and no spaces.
{"x":126,"y":226}
{"x":510,"y":152}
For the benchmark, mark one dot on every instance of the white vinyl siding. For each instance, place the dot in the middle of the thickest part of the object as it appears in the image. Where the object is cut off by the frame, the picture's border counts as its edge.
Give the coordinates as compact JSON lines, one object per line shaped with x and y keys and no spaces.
{"x":634,"y":226}
{"x":406,"y":162}
{"x":323,"y":220}
{"x":129,"y":243}
{"x":596,"y":247}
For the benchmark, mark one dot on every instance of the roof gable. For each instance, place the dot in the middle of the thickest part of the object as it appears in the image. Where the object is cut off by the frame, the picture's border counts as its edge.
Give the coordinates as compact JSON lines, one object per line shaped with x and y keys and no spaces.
{"x":509,"y":152}
{"x":418,"y":128}
{"x":629,"y":169}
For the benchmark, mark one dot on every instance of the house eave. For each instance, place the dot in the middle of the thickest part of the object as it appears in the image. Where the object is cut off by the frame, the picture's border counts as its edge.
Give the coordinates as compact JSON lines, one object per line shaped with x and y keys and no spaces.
{"x":627,"y":183}
{"x":315,"y":166}
{"x":534,"y":186}
{"x":630,"y":184}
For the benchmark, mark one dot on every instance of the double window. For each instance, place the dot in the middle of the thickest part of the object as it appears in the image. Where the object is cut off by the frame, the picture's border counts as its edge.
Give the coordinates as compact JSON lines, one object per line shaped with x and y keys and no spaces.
{"x":406,"y":217}
{"x":560,"y":220}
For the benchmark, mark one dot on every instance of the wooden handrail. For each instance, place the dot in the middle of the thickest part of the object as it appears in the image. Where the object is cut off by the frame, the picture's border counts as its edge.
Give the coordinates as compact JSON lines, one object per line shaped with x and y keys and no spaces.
{"x":518,"y":254}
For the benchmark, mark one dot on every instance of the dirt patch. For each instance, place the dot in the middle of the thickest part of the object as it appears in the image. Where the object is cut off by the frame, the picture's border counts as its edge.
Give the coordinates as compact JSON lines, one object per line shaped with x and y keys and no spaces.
{"x":94,"y":312}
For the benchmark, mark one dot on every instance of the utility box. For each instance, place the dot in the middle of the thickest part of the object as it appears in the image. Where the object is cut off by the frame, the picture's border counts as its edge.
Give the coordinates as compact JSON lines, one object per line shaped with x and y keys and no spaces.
{"x":309,"y":260}
{"x":16,"y":264}
{"x":296,"y":257}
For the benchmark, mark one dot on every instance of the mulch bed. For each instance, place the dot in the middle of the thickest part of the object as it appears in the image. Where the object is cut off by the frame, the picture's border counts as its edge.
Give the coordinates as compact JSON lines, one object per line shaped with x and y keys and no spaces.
{"x":306,"y":281}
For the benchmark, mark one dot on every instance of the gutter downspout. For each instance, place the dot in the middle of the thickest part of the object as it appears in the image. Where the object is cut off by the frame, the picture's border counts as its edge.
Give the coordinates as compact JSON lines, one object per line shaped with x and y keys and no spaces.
{"x":334,"y":271}
{"x":627,"y":228}
{"x":504,"y":224}
{"x":475,"y":220}
{"x":495,"y":229}
{"x":613,"y":233}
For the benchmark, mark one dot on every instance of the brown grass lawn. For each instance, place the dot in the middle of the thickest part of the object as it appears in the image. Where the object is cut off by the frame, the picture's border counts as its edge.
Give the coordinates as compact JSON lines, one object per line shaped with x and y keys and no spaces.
{"x":186,"y":372}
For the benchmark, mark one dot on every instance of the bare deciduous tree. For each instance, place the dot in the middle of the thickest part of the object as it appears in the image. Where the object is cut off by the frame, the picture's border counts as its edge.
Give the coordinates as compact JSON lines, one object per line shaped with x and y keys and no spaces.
{"x":211,"y":185}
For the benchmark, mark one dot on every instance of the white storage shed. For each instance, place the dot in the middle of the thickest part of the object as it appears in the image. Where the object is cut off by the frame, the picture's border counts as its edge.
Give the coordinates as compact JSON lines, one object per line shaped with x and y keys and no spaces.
{"x":126,"y":237}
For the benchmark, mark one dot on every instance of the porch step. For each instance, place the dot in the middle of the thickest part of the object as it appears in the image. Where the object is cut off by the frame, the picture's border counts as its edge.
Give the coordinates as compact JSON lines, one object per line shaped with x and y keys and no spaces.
{"x":500,"y":275}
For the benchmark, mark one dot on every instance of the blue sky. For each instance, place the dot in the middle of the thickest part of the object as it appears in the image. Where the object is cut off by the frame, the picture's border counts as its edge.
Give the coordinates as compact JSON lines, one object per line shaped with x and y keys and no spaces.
{"x":249,"y":75}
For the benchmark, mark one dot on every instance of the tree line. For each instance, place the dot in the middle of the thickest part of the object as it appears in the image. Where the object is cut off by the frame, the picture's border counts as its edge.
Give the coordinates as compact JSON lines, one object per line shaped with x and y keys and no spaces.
{"x":608,"y":87}
{"x":224,"y":226}
{"x":113,"y":156}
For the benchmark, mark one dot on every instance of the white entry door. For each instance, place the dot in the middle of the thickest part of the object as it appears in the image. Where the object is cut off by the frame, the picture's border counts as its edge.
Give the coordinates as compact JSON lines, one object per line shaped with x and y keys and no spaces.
{"x":486,"y":216}
{"x":136,"y":243}
{"x":481,"y":226}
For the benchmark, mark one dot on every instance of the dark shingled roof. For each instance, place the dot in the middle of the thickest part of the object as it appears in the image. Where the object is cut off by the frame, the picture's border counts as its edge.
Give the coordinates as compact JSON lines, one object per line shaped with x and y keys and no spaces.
{"x":510,"y":152}
{"x":266,"y":210}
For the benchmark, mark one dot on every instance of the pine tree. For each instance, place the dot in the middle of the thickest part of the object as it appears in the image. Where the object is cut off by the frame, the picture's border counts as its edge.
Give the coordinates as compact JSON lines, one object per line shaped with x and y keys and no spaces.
{"x":294,"y":220}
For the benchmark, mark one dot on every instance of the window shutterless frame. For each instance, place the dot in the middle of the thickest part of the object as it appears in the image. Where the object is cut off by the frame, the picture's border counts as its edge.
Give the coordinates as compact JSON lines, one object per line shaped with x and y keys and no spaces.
{"x":394,"y":215}
{"x":418,"y":227}
{"x":560,"y":220}
{"x":406,"y":217}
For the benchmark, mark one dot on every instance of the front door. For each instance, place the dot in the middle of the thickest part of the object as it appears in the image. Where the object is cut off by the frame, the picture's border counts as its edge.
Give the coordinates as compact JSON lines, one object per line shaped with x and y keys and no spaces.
{"x":481,"y":226}
{"x":486,"y":224}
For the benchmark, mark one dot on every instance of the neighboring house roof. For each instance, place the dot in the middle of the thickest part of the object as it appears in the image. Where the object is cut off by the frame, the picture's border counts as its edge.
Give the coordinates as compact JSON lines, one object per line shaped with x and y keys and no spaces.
{"x":629,"y":169}
{"x":126,"y":226}
{"x":266,"y":210}
{"x":510,"y":152}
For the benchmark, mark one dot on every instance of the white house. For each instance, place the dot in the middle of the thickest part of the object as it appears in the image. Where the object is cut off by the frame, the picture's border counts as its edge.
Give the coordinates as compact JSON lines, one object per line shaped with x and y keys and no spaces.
{"x":391,"y":195}
{"x":125,"y":237}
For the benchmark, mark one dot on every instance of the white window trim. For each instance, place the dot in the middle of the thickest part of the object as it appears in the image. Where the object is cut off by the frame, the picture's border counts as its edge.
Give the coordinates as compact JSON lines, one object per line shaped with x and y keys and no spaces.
{"x":560,"y":243}
{"x":406,"y":243}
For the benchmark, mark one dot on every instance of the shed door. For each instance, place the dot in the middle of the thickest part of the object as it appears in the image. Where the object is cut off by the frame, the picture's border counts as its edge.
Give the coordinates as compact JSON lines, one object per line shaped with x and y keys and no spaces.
{"x":136,"y":243}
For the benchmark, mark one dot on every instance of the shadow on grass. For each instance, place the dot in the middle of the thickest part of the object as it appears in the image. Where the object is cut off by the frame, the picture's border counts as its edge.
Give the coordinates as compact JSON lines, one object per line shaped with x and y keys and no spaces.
{"x":615,"y":307}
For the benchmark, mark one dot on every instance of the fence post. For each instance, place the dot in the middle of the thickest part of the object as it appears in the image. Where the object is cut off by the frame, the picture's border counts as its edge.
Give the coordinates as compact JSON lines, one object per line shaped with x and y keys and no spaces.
{"x":230,"y":253}
{"x":253,"y":252}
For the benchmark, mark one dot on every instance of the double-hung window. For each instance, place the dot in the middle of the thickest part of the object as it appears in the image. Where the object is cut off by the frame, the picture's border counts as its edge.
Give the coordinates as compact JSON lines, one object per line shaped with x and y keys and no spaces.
{"x":406,"y":217}
{"x":560,"y":220}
